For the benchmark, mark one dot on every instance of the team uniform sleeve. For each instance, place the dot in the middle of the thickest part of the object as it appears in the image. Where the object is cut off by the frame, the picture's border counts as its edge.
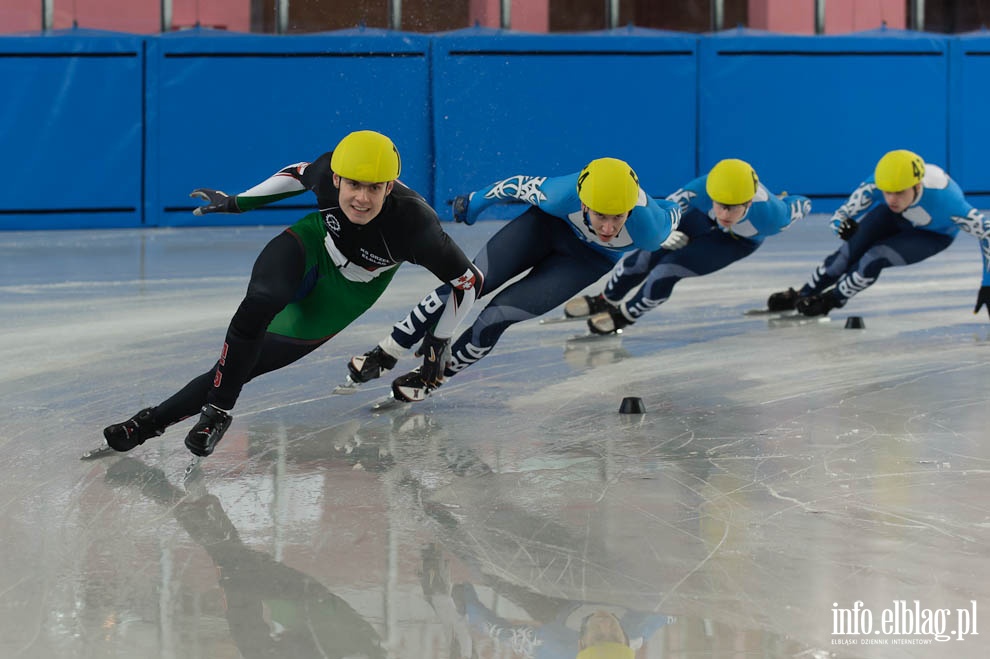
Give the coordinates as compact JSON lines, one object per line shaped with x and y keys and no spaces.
{"x":692,"y":196}
{"x":861,"y":200}
{"x":653,"y":222}
{"x":974,"y":222}
{"x":534,"y":190}
{"x":287,"y":182}
{"x":787,"y":210}
{"x":437,"y":252}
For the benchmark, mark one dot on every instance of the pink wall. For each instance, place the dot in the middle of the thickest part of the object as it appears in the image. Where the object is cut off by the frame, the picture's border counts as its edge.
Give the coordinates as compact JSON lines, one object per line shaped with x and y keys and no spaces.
{"x":525,"y":15}
{"x":856,"y":15}
{"x":233,"y":15}
{"x":136,"y":16}
{"x":790,"y":16}
{"x":19,"y":16}
{"x":841,"y":16}
{"x":142,"y":16}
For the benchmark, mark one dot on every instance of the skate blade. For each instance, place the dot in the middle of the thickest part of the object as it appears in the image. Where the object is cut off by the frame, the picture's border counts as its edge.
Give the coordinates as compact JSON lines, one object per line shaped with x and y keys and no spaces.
{"x":192,"y":467}
{"x":770,"y":314}
{"x":797,"y":319}
{"x":595,"y":338}
{"x":389,"y":402}
{"x":98,"y":452}
{"x":349,"y":386}
{"x":563,"y":319}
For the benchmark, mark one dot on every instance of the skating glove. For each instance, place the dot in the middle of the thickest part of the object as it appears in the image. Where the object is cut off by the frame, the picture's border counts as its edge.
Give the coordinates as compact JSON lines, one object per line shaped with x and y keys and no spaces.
{"x":676,"y":240}
{"x":219,"y":202}
{"x":460,"y":205}
{"x":983,"y":299}
{"x":433,"y":350}
{"x":846,"y":229}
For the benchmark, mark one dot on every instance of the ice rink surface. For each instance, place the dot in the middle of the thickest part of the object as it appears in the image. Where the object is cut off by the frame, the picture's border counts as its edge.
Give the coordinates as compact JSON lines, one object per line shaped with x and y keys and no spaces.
{"x":782,"y":472}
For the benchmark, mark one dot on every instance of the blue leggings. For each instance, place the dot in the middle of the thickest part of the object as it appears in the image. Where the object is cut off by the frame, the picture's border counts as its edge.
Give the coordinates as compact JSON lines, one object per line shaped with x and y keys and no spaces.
{"x":883,"y":239}
{"x":709,"y":249}
{"x":560,"y":265}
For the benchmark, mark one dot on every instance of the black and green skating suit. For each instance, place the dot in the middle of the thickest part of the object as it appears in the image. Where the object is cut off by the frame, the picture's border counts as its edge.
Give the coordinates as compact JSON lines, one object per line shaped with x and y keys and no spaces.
{"x":318,"y":276}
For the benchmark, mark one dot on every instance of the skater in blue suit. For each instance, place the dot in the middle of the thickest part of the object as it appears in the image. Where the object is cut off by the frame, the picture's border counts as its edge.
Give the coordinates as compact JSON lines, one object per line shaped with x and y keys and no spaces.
{"x":726,"y":215}
{"x":903,"y":214}
{"x":575,"y":228}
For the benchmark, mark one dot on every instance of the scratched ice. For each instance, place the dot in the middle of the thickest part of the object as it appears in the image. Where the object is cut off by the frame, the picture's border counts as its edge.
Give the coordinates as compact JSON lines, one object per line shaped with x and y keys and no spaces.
{"x":781,"y":474}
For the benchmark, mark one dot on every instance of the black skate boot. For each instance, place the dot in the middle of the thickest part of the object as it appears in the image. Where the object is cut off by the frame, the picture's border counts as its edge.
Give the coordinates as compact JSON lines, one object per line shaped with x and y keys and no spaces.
{"x":411,"y":387}
{"x":821,"y":304}
{"x":133,"y":432}
{"x":370,"y":365}
{"x":208,"y":431}
{"x":608,"y":322}
{"x":586,"y":305}
{"x":783,"y":301}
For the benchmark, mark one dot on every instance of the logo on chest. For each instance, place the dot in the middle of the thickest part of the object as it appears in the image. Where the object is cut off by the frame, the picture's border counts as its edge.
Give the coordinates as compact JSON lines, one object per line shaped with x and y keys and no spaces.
{"x":331,"y":222}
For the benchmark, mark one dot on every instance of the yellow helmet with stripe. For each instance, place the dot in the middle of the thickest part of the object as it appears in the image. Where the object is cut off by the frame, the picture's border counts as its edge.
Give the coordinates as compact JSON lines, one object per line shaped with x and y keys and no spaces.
{"x":899,"y":170}
{"x":731,"y":182}
{"x":608,"y":186}
{"x":366,"y":156}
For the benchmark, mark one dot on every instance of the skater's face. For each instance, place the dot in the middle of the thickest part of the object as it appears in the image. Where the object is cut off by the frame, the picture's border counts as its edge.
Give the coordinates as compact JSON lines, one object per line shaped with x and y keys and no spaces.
{"x":360,"y":201}
{"x":606,"y":227}
{"x":728,"y":216}
{"x":899,"y":202}
{"x":601,"y":627}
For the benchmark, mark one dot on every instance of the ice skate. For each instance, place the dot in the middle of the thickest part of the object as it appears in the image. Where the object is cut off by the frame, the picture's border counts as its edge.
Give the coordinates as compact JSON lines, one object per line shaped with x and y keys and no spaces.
{"x":782,"y":301}
{"x":611,"y":321}
{"x":208,"y":431}
{"x":408,"y":388}
{"x":122,"y":437}
{"x":586,"y":305}
{"x":819,"y":305}
{"x":365,"y":368}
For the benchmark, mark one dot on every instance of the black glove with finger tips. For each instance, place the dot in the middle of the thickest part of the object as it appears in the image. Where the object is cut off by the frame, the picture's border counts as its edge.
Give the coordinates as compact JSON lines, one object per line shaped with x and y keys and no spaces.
{"x":434,"y":352}
{"x":847,"y":228}
{"x":218,"y":202}
{"x":460,"y":205}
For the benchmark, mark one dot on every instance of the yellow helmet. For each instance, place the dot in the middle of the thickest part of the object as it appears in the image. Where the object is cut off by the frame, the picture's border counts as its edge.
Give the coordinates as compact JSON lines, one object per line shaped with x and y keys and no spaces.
{"x":608,"y":186}
{"x":899,"y":170}
{"x":732,"y":182}
{"x":607,"y":651}
{"x":366,"y":156}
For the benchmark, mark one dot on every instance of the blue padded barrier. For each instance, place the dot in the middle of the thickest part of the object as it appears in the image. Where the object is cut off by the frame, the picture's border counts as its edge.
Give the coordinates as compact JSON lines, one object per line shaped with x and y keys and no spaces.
{"x":72,"y":130}
{"x":226,"y":111}
{"x":969,"y":136}
{"x":814,"y":114}
{"x":510,"y":103}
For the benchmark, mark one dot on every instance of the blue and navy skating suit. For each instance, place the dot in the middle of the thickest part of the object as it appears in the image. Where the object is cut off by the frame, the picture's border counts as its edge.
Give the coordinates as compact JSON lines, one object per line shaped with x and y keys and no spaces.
{"x":711,"y":247}
{"x":552,"y":239}
{"x":649,"y":223}
{"x":884,"y":238}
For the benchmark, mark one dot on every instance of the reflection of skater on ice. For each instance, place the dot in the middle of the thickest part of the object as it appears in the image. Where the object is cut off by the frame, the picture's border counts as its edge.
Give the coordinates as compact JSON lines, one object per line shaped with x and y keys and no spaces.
{"x":538,"y":626}
{"x":272,"y":609}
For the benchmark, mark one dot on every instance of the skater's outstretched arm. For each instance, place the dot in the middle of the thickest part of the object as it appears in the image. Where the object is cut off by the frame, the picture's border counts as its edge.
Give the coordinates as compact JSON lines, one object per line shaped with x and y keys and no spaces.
{"x":287,"y":182}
